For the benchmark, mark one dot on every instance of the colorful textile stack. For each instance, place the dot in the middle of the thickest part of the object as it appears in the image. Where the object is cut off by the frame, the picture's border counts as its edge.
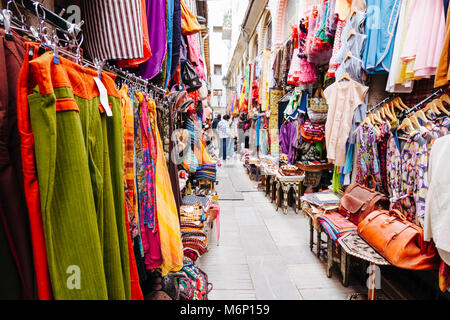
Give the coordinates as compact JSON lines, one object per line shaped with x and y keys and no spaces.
{"x":206,"y":171}
{"x":336,"y":225}
{"x":193,"y":230}
{"x":194,"y":283}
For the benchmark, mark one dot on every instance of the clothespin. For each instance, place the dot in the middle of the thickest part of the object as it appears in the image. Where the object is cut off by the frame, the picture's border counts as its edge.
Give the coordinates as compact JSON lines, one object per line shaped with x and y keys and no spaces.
{"x":55,"y":49}
{"x":7,"y":24}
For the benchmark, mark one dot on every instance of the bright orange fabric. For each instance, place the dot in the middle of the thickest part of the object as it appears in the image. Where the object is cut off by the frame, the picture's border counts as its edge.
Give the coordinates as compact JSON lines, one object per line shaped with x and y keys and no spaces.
{"x":443,"y":71}
{"x":31,"y":185}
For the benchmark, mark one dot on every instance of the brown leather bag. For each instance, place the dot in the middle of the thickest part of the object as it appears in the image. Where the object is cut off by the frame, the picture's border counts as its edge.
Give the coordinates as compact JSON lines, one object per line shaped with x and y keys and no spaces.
{"x":398,"y":240}
{"x":360,"y":200}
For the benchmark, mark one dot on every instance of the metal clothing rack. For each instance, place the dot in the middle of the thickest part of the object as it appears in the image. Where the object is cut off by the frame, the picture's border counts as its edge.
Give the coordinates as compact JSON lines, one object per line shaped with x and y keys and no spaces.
{"x":37,"y":8}
{"x":379,"y":104}
{"x":130,"y":76}
{"x":417,"y":106}
{"x":60,"y":23}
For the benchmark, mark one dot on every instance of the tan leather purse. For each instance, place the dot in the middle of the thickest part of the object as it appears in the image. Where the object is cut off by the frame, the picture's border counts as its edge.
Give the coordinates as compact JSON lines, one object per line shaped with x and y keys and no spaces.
{"x":360,"y":200}
{"x":398,"y":240}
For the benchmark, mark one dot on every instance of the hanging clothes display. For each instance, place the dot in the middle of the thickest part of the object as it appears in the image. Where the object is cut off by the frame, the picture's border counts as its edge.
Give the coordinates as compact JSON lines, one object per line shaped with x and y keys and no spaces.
{"x":342,"y":99}
{"x":156,"y":21}
{"x":381,"y":29}
{"x":13,"y":210}
{"x":443,"y":70}
{"x":424,"y":41}
{"x":119,"y":34}
{"x":131,"y":63}
{"x":394,"y":84}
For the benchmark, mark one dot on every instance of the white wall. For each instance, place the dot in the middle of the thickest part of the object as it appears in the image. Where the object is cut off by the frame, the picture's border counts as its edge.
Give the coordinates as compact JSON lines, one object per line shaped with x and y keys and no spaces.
{"x":219,"y":49}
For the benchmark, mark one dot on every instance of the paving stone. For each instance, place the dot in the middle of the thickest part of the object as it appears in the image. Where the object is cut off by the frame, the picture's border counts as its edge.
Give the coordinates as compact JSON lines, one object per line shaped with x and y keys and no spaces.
{"x":271,"y":280}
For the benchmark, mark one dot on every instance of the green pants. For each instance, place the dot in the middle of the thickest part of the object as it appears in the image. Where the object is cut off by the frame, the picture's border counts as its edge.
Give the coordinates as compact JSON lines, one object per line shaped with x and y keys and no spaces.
{"x":80,"y":170}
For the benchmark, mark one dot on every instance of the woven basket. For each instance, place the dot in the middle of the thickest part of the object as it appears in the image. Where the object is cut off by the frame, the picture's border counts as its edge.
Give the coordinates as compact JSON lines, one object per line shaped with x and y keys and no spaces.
{"x":318,"y":103}
{"x":315,"y":167}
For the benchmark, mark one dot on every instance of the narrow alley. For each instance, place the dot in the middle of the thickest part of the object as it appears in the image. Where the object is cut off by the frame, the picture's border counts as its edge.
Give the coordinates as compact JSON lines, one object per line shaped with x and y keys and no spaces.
{"x":263,"y":254}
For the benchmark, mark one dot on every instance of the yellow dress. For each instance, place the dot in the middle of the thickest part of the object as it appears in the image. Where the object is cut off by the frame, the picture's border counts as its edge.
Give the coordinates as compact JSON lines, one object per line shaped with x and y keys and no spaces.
{"x":169,"y":225}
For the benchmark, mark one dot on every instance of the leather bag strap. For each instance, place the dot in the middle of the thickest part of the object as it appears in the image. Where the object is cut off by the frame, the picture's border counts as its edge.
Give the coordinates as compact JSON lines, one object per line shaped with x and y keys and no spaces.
{"x":372,"y":179}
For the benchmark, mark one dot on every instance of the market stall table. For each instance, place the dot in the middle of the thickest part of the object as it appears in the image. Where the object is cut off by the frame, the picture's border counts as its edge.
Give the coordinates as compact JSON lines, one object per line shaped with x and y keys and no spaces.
{"x":353,"y":245}
{"x":285,"y":184}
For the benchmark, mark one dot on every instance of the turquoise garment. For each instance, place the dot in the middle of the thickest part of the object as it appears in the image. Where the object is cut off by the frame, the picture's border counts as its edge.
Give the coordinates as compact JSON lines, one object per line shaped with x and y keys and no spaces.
{"x":257,"y":131}
{"x":169,"y":41}
{"x":381,"y":27}
{"x":348,"y":167}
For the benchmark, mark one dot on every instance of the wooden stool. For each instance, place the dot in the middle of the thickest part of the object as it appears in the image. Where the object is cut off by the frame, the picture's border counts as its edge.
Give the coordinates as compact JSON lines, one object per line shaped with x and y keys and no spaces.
{"x":285,"y":183}
{"x":313,"y":227}
{"x":206,"y":181}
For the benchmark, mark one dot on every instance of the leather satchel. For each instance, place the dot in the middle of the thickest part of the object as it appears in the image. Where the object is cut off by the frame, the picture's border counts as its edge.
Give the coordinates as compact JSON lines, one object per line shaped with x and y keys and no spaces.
{"x":360,"y":200}
{"x":398,"y":240}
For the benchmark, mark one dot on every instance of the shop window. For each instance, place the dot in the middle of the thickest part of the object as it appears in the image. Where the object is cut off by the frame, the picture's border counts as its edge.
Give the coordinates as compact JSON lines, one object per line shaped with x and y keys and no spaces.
{"x":268,"y":44}
{"x":218,"y":69}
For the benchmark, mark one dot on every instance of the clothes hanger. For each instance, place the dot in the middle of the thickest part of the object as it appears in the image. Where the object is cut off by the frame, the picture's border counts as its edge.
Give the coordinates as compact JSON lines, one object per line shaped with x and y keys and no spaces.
{"x":406,"y":124}
{"x":421,"y":115}
{"x":345,"y":76}
{"x":388,"y":113}
{"x":396,"y":103}
{"x":432,"y":106}
{"x":351,"y":33}
{"x":400,"y":102}
{"x":440,"y":105}
{"x":348,"y":56}
{"x":381,"y":113}
{"x":414,"y":121}
{"x":445,"y":98}
{"x":376,"y":117}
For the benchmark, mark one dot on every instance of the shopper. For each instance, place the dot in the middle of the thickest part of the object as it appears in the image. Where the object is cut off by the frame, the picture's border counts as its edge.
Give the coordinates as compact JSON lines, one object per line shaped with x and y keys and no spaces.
{"x":231,"y":141}
{"x":216,"y":121}
{"x":223,"y":129}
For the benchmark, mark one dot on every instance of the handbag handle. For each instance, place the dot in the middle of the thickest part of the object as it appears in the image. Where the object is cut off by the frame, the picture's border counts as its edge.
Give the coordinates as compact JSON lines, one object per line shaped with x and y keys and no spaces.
{"x":318,"y":92}
{"x":374,"y":183}
{"x":398,"y":214}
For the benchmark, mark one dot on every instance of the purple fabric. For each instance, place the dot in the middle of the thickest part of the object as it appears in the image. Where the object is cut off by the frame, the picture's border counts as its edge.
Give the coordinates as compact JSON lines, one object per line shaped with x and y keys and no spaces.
{"x":176,"y":36}
{"x":288,"y":139}
{"x":156,"y":20}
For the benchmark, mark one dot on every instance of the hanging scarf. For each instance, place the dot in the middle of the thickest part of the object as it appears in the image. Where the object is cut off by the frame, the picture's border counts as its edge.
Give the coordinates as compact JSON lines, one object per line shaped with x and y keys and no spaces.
{"x":148,"y":205}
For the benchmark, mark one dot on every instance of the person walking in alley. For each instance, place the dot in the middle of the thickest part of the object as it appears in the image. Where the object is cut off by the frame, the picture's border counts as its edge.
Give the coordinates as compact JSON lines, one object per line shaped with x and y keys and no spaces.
{"x":223,"y":129}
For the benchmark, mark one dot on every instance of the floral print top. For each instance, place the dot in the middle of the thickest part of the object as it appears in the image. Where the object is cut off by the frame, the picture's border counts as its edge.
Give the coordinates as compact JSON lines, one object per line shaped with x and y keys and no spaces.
{"x":367,"y":154}
{"x":407,"y":176}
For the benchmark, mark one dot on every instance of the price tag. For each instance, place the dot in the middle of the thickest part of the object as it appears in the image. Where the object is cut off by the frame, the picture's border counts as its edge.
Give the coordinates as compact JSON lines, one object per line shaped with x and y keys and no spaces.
{"x":103,"y":96}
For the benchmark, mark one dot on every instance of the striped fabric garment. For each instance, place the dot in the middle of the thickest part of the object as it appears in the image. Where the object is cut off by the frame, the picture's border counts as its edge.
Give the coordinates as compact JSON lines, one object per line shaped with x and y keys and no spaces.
{"x":336,"y":225}
{"x":113,"y":29}
{"x":207,"y":171}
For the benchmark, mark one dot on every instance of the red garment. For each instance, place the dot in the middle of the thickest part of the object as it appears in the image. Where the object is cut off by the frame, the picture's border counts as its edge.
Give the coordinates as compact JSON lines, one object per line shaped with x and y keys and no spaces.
{"x":255,"y":91}
{"x":136,"y":292}
{"x":31,"y":185}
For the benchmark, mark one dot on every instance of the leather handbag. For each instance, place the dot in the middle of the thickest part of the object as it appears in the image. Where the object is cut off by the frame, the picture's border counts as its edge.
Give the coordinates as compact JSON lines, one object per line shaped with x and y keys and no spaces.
{"x":398,"y":240}
{"x":190,"y":77}
{"x":360,"y":200}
